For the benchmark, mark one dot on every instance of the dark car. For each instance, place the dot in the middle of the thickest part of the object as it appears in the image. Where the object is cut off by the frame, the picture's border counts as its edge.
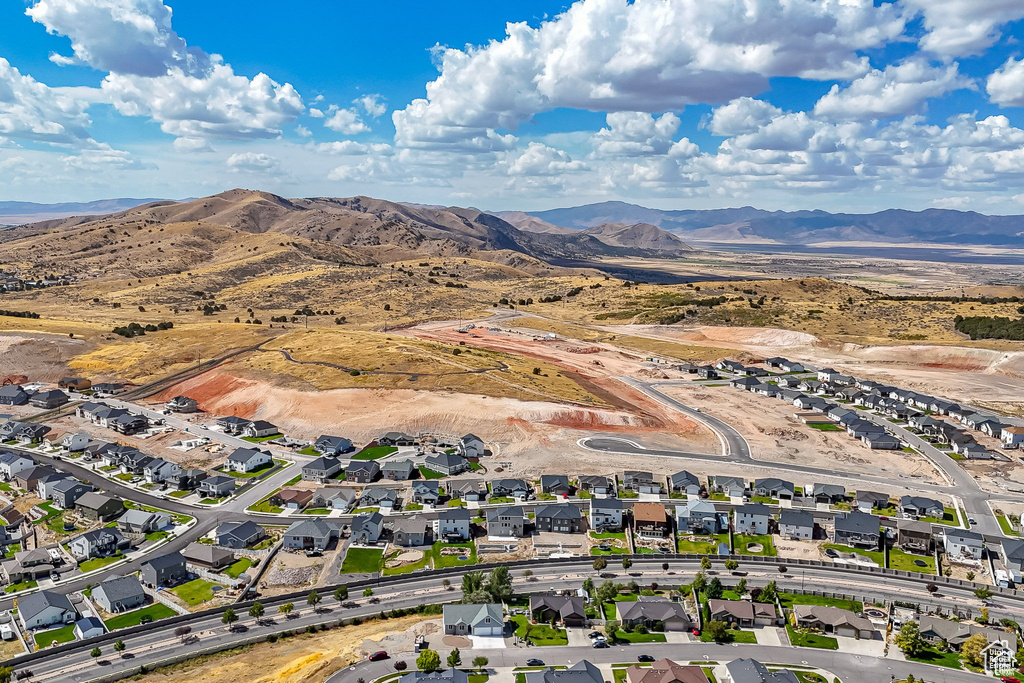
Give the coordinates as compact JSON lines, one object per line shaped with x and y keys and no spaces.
{"x":378,"y":655}
{"x":830,"y":552}
{"x":644,"y":658}
{"x":595,"y":634}
{"x":600,"y":644}
{"x":534,"y":662}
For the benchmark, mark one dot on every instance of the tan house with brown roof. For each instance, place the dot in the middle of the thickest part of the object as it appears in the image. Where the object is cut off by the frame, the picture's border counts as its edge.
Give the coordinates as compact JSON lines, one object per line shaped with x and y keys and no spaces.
{"x":743,"y":612}
{"x":650,"y":520}
{"x":665,"y":671}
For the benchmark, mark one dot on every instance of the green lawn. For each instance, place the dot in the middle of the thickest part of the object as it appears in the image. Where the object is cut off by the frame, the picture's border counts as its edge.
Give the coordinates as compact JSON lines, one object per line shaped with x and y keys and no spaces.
{"x":98,"y":562}
{"x":180,"y":494}
{"x":621,"y":535}
{"x":374,"y":452}
{"x":735,"y":636}
{"x":950,"y":517}
{"x":639,"y":637}
{"x":155,"y":611}
{"x":24,"y":585}
{"x":258,"y":472}
{"x":308,"y":450}
{"x":826,"y":427}
{"x":195,"y":592}
{"x":316,"y":511}
{"x":799,"y":639}
{"x":261,"y":439}
{"x":57,"y":635}
{"x":789,"y":599}
{"x":124,"y":476}
{"x":873,"y":555}
{"x":539,"y":634}
{"x":950,"y":660}
{"x":1007,"y":526}
{"x":613,"y":551}
{"x":4,"y":486}
{"x":362,"y":561}
{"x":428,"y":473}
{"x":238,"y":567}
{"x":157,"y":535}
{"x":905,"y":561}
{"x":441,"y":561}
{"x":265,"y":506}
{"x":767,"y":500}
{"x":686,"y":546}
{"x":407,"y":568}
{"x":741,"y":540}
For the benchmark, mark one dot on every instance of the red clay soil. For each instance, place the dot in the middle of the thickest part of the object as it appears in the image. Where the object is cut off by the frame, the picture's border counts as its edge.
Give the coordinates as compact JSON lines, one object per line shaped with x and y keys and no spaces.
{"x":211,"y":387}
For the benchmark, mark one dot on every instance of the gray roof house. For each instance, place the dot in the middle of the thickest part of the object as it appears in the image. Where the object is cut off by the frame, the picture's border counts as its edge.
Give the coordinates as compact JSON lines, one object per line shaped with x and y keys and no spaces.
{"x":426,"y":491}
{"x":506,"y":522}
{"x":473,"y":620}
{"x":217,"y":486}
{"x":99,"y":506}
{"x":752,"y":518}
{"x":239,"y":535}
{"x":66,"y":492}
{"x":606,"y":514}
{"x":119,"y":594}
{"x":963,"y":545}
{"x":314,"y":534}
{"x":685,"y":482}
{"x":697,"y":516}
{"x":335,"y":497}
{"x":450,"y":675}
{"x":163,"y":570}
{"x":828,"y":493}
{"x":919,"y":506}
{"x":448,"y":464}
{"x":453,"y":525}
{"x":367,"y":528}
{"x":857,"y":529}
{"x":647,"y":610}
{"x":397,"y":470}
{"x":796,"y":525}
{"x":566,"y":519}
{"x":580,"y":672}
{"x":331,"y":445}
{"x":207,"y":556}
{"x":772,"y":487}
{"x":410,"y":531}
{"x":556,"y":484}
{"x":937,"y":629}
{"x":247,"y":460}
{"x":362,"y":471}
{"x":321,"y":470}
{"x":753,"y":671}
{"x":381,"y":496}
{"x":45,"y":608}
{"x":511,"y":488}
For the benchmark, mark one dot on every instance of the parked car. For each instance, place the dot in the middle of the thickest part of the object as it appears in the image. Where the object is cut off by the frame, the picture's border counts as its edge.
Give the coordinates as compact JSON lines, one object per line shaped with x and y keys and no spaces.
{"x":595,"y":634}
{"x":645,"y":658}
{"x":534,"y":662}
{"x":378,"y":655}
{"x":599,"y":644}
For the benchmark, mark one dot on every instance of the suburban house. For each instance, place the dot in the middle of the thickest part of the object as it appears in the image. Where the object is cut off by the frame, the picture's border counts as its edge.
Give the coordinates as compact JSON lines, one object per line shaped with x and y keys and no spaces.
{"x":473,"y":620}
{"x":53,"y":398}
{"x":182,"y":404}
{"x":398,"y":470}
{"x":396,"y":439}
{"x":379,"y":496}
{"x":217,"y":486}
{"x":606,"y":514}
{"x":362,"y":471}
{"x":206,"y":556}
{"x":580,"y":672}
{"x":685,"y":482}
{"x":752,"y":518}
{"x":654,"y":611}
{"x":292,"y":499}
{"x":366,"y":528}
{"x":1013,"y":554}
{"x":665,"y":671}
{"x":28,"y":479}
{"x":321,"y":470}
{"x":913,"y":536}
{"x":453,"y":525}
{"x":11,"y":463}
{"x":247,"y":460}
{"x":828,"y":494}
{"x":796,"y":525}
{"x":771,"y":487}
{"x":857,"y":529}
{"x":99,"y":507}
{"x":239,"y":535}
{"x":142,"y":522}
{"x":87,"y":627}
{"x":410,"y":531}
{"x":744,"y":613}
{"x":734,"y":487}
{"x":566,"y":519}
{"x":471,"y":446}
{"x":259,"y":429}
{"x":729,"y":366}
{"x":506,"y":522}
{"x":467,"y":489}
{"x":1012,"y":437}
{"x":28,"y":565}
{"x":158,"y":470}
{"x":963,"y":545}
{"x":119,"y":594}
{"x":74,"y":383}
{"x":232,"y":425}
{"x":866,"y":501}
{"x":25,"y":433}
{"x":881,"y":441}
{"x":163,"y":570}
{"x":13,"y":395}
{"x":66,"y":492}
{"x":450,"y":675}
{"x":567,"y":610}
{"x":555,"y":484}
{"x":335,"y":498}
{"x":937,"y":630}
{"x":511,"y":488}
{"x":913,"y":507}
{"x":448,"y":464}
{"x":101,"y":542}
{"x":650,"y":520}
{"x":45,"y":608}
{"x":640,"y":482}
{"x":833,"y":621}
{"x":331,"y":446}
{"x":426,"y":492}
{"x":707,"y":372}
{"x":697,"y":516}
{"x":597,"y":485}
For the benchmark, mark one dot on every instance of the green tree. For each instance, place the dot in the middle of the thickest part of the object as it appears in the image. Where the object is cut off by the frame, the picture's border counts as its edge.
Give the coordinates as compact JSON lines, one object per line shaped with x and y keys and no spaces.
{"x":119,"y":645}
{"x":714,"y":589}
{"x":600,"y":563}
{"x":909,"y":639}
{"x":606,"y":592}
{"x":970,"y":651}
{"x":983,"y":593}
{"x":741,"y":586}
{"x":478,"y":662}
{"x":732,"y":565}
{"x":700,"y":580}
{"x":717,"y":631}
{"x":257,"y":611}
{"x":286,"y":608}
{"x":229,"y":618}
{"x":472,"y":582}
{"x":588,"y":586}
{"x":6,"y":673}
{"x":705,"y":562}
{"x":367,"y":592}
{"x":95,"y":652}
{"x":768,"y":593}
{"x":428,"y":660}
{"x":611,"y":628}
{"x":626,"y":563}
{"x":499,"y":584}
{"x":341,"y":593}
{"x":454,"y":658}
{"x":313,"y":599}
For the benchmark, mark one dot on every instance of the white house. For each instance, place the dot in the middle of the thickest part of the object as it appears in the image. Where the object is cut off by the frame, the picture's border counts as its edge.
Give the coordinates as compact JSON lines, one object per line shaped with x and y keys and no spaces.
{"x":75,"y":443}
{"x":247,"y":460}
{"x":45,"y":608}
{"x":605,"y":513}
{"x":752,"y":518}
{"x":452,"y":524}
{"x":257,"y":429}
{"x":961,"y":544}
{"x":1012,"y":437}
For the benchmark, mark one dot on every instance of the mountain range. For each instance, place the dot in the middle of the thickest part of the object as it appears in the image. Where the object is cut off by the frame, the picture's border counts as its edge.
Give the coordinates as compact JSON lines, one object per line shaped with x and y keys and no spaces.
{"x":747,"y":224}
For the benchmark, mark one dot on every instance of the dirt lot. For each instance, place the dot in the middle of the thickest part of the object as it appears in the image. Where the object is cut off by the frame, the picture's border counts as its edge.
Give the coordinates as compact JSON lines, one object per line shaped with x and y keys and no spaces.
{"x":292,"y":571}
{"x":301,"y":658}
{"x":775,"y":435}
{"x":801,"y":550}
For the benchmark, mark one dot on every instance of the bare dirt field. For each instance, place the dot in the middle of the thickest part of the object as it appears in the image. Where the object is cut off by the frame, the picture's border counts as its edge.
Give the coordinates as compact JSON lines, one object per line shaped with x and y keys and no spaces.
{"x":300,"y":658}
{"x":775,"y":435}
{"x":40,"y":357}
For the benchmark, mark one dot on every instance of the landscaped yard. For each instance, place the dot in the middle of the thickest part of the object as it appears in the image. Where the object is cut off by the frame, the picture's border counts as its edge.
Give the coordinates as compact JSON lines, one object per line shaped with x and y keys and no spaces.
{"x":789,"y":599}
{"x":57,"y":635}
{"x":428,"y":473}
{"x":639,"y":637}
{"x":950,"y":517}
{"x":238,"y":567}
{"x":735,"y":636}
{"x":155,"y":612}
{"x":180,"y":494}
{"x":701,"y":547}
{"x":374,"y":452}
{"x":826,"y":426}
{"x":98,"y":562}
{"x":800,"y":639}
{"x":741,"y":541}
{"x":950,"y":660}
{"x":195,"y":592}
{"x":441,"y":561}
{"x":265,"y":506}
{"x":308,"y":450}
{"x":908,"y":563}
{"x":259,"y":471}
{"x":539,"y":634}
{"x":407,"y":568}
{"x":1007,"y":526}
{"x":873,"y":555}
{"x":362,"y":561}
{"x":24,"y":585}
{"x":261,"y":439}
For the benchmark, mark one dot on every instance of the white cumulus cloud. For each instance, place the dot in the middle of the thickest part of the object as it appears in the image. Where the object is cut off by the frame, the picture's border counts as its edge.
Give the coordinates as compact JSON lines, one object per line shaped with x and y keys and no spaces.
{"x":959,"y":28}
{"x":540,"y":160}
{"x":899,"y":90}
{"x":30,"y":110}
{"x":254,"y":162}
{"x":345,"y":121}
{"x":1005,"y":86}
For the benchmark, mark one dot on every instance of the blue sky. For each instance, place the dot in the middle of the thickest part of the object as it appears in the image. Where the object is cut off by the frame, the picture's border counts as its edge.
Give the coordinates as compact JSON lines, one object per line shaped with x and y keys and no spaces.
{"x":837,"y":104}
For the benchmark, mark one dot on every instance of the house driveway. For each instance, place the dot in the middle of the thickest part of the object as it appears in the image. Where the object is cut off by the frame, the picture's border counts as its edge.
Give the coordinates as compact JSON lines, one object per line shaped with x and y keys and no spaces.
{"x":578,"y":637}
{"x":871,"y":648}
{"x":770,"y":635}
{"x":487,"y":642}
{"x":678,"y":637}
